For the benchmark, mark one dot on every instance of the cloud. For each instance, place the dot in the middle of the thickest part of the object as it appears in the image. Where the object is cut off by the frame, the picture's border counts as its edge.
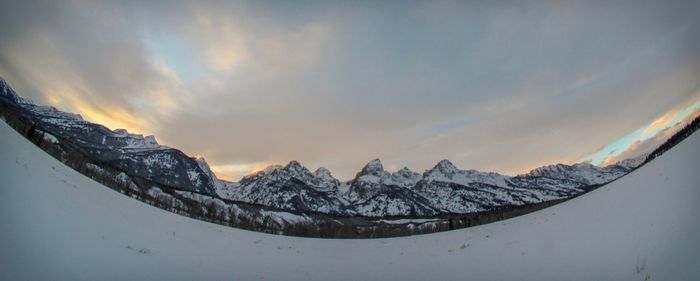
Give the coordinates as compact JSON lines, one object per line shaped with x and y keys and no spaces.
{"x":648,"y":144}
{"x":225,"y":45}
{"x":491,"y":86}
{"x":82,"y":58}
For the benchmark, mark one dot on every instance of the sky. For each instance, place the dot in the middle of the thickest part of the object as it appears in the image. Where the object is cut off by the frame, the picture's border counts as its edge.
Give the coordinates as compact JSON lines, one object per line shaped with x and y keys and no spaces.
{"x":502,"y":86}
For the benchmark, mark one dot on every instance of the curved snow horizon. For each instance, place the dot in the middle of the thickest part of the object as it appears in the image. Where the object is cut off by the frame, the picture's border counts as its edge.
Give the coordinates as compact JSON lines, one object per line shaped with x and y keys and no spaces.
{"x":58,"y":224}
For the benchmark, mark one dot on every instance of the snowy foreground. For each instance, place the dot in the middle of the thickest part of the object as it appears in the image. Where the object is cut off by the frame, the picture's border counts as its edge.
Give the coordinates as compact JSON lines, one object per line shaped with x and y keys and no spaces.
{"x":56,"y":224}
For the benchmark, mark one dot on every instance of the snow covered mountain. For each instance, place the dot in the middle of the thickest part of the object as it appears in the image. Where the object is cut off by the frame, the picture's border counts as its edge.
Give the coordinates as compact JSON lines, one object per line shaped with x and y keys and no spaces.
{"x":584,"y":173}
{"x":292,"y":187}
{"x":465,"y":191}
{"x":57,"y":224}
{"x":374,"y":192}
{"x":134,"y":154}
{"x":633,"y":163}
{"x":372,"y":180}
{"x":445,"y":171}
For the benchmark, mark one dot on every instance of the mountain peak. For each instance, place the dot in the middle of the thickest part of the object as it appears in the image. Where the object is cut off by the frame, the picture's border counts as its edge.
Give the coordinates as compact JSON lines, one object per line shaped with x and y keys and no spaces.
{"x":373,"y":172}
{"x":445,"y":163}
{"x":541,"y":171}
{"x":584,"y":172}
{"x":151,"y":140}
{"x":326,"y":179}
{"x":405,"y":170}
{"x":269,"y":169}
{"x":375,"y":163}
{"x":322,"y":172}
{"x":445,"y":167}
{"x":405,"y":177}
{"x":204,"y":166}
{"x":7,"y":92}
{"x":373,"y":167}
{"x":293,"y":165}
{"x":296,"y":169}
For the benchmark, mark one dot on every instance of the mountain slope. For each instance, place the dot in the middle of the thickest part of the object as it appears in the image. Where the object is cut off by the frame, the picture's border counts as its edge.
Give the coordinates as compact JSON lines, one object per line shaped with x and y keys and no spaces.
{"x":57,"y":224}
{"x":134,"y":154}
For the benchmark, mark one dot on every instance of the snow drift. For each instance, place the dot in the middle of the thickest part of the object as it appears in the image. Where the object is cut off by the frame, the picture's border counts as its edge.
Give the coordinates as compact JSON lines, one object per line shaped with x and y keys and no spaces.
{"x":56,"y":224}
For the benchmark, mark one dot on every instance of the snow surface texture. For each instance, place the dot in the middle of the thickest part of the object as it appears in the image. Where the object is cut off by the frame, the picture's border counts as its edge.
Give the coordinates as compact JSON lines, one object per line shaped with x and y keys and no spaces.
{"x":57,"y":224}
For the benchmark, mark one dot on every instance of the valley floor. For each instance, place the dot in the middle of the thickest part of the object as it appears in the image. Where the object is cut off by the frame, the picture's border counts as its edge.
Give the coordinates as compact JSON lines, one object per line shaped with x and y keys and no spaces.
{"x":56,"y":224}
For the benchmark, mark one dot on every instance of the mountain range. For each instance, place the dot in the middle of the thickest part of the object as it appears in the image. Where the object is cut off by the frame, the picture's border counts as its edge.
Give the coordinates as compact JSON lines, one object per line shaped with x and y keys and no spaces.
{"x":373,"y":192}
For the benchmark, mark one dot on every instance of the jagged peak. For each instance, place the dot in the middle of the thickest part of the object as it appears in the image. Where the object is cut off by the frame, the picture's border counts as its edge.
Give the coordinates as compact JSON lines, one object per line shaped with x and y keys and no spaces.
{"x":200,"y":160}
{"x":444,"y":166}
{"x":296,"y":168}
{"x":405,"y":177}
{"x":121,"y":131}
{"x":539,"y":170}
{"x":137,"y":141}
{"x":372,"y":167}
{"x":6,"y":87}
{"x":326,"y":177}
{"x":293,"y":168}
{"x":445,"y":163}
{"x":322,"y":172}
{"x":559,"y":167}
{"x":293,"y":165}
{"x":271,"y":168}
{"x":373,"y":171}
{"x":406,"y":173}
{"x":205,"y":166}
{"x":10,"y":93}
{"x":405,"y":170}
{"x":375,"y":163}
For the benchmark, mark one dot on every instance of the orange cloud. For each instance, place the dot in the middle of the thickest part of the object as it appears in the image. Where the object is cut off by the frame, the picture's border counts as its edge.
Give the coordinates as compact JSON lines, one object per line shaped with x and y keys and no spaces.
{"x":675,"y":115}
{"x":659,"y":123}
{"x":224,"y":45}
{"x":111,"y":116}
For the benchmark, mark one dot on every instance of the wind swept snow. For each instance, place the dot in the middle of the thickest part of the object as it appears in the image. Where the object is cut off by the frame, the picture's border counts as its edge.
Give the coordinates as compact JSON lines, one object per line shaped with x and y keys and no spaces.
{"x":56,"y":224}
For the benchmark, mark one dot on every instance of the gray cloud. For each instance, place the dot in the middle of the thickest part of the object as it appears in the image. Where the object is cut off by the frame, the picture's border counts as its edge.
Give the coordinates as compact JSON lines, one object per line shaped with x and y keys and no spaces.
{"x":493,"y":86}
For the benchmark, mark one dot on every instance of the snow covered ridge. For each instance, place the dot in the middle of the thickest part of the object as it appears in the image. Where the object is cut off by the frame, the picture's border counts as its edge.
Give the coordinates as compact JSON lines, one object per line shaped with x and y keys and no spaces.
{"x":134,"y":154}
{"x":444,"y":191}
